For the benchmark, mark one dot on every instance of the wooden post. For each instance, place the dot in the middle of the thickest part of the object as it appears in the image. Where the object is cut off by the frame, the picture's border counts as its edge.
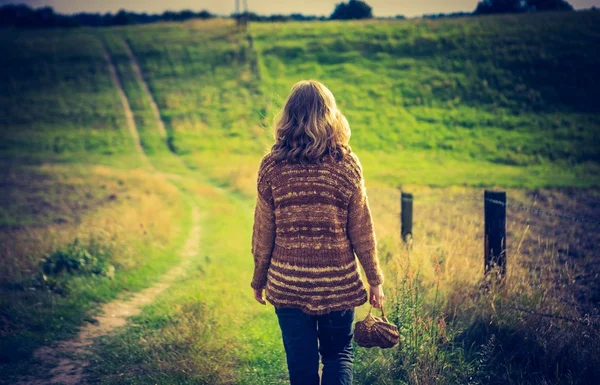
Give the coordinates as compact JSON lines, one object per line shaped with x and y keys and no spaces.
{"x":406,"y":215}
{"x":495,"y":231}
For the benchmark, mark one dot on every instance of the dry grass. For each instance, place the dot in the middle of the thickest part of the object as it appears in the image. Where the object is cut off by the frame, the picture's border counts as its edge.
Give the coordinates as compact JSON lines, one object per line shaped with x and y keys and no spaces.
{"x":540,"y":327}
{"x":236,"y":171}
{"x":119,"y":208}
{"x":185,"y":348}
{"x":542,"y":323}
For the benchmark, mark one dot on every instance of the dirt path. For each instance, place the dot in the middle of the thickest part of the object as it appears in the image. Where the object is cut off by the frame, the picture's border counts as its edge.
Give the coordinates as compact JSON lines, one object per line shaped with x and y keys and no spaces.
{"x":140,"y":78}
{"x":69,"y":358}
{"x":126,"y":107}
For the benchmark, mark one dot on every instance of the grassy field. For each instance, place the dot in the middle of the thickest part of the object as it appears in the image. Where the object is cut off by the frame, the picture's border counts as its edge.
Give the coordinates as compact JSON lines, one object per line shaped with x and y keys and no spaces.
{"x":441,"y":108}
{"x":431,"y":103}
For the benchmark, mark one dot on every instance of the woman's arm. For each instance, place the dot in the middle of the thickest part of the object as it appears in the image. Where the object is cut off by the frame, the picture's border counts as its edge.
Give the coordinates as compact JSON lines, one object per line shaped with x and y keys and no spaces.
{"x":361,"y":233}
{"x":263,"y":234}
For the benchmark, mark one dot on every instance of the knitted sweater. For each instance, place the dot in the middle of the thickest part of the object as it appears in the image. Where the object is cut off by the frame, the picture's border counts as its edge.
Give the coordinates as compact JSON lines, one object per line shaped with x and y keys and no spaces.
{"x":309,"y":222}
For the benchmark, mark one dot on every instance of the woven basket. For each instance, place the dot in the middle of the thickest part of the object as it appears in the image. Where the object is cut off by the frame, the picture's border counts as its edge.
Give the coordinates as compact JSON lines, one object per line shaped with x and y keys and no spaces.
{"x":375,"y":331}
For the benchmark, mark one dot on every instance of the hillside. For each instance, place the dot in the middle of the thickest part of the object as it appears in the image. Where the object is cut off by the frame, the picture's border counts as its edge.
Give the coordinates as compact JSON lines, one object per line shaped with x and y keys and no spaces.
{"x":502,"y":100}
{"x":129,"y":153}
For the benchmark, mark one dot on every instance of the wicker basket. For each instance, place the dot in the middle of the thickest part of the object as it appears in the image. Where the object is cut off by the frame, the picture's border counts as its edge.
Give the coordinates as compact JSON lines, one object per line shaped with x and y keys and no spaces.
{"x":375,"y":331}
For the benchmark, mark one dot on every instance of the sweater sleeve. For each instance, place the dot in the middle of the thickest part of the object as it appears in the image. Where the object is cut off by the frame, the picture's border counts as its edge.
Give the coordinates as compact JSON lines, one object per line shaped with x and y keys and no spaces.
{"x":362,"y":233}
{"x":263,"y":234}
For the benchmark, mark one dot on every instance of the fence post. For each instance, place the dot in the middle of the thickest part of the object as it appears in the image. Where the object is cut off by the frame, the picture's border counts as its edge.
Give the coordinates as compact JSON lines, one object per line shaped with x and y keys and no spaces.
{"x":495,"y":231}
{"x":406,"y":211}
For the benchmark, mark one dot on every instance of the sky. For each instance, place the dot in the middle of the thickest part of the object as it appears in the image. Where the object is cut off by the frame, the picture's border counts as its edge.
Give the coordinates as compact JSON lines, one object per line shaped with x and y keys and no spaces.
{"x":225,"y":7}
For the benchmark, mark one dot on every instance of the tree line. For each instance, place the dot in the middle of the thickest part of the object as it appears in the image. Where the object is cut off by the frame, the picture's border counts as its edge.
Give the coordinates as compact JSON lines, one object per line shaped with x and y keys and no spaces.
{"x":515,"y":6}
{"x":356,"y":9}
{"x":25,"y":16}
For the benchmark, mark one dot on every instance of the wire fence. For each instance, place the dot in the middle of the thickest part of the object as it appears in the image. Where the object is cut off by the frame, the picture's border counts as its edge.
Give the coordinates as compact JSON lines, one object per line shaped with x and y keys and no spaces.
{"x":518,"y":207}
{"x":566,"y":242}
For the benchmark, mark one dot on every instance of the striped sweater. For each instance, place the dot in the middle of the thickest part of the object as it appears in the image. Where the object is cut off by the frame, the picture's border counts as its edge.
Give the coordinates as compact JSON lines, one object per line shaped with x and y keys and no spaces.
{"x":309,"y":223}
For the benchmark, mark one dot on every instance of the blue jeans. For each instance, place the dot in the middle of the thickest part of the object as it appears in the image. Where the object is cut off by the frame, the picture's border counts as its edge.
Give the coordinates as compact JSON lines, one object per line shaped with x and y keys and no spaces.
{"x":305,"y":336}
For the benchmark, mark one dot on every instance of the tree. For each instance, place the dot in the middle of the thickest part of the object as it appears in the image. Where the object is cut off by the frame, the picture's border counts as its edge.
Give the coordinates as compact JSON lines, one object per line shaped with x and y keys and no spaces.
{"x":549,"y":5}
{"x":501,"y":6}
{"x":123,"y":18}
{"x":354,"y":9}
{"x":24,"y":16}
{"x":506,"y":6}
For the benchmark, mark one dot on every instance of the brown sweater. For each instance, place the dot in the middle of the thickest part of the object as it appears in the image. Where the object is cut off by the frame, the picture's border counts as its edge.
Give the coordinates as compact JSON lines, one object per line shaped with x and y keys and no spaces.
{"x":309,"y":222}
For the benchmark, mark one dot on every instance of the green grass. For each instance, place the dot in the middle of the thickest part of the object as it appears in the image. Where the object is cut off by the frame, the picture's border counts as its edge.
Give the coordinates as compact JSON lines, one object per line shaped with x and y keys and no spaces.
{"x":69,"y":171}
{"x":513,"y":95}
{"x":202,"y":80}
{"x":504,"y":101}
{"x":455,"y":94}
{"x":56,"y":95}
{"x":491,"y":93}
{"x":112,"y":210}
{"x":232,"y":339}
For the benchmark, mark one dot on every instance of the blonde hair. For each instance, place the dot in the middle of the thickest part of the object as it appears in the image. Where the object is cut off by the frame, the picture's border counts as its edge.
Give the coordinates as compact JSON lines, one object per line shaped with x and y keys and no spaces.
{"x":310,"y":128}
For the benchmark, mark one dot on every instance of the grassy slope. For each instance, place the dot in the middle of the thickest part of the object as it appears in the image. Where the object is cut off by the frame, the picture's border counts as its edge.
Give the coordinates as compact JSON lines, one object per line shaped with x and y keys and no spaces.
{"x":184,"y":67}
{"x":193,"y":320}
{"x":216,"y":98}
{"x":60,"y":117}
{"x":205,"y":329}
{"x":56,"y":96}
{"x":134,"y":226}
{"x":505,"y":101}
{"x":66,"y":313}
{"x":438,"y":102}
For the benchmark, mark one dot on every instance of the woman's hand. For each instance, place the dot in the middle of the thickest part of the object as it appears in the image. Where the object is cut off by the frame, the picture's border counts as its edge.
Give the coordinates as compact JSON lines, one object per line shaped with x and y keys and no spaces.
{"x":258,"y":296}
{"x":376,"y":296}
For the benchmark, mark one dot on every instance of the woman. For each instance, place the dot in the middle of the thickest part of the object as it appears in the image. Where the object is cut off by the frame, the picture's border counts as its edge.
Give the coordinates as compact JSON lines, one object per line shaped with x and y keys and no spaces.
{"x":311,"y":218}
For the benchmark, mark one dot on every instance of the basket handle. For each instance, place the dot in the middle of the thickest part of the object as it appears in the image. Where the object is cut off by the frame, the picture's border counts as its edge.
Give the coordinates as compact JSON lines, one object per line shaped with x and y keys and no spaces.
{"x":382,"y":311}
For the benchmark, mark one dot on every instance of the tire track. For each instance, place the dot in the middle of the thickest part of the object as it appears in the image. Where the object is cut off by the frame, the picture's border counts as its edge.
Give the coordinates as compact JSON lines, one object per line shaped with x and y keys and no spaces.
{"x":140,"y":78}
{"x":126,"y":107}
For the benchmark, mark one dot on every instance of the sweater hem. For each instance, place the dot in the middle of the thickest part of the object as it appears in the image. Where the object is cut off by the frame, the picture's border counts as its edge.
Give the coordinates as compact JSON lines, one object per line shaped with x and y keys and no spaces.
{"x":334,"y":307}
